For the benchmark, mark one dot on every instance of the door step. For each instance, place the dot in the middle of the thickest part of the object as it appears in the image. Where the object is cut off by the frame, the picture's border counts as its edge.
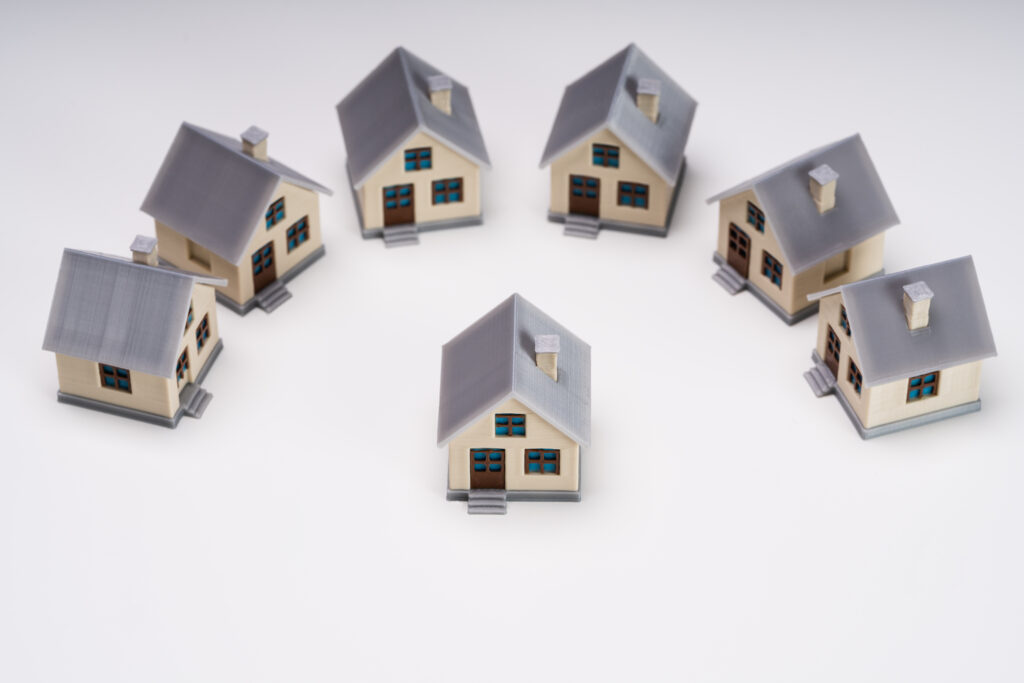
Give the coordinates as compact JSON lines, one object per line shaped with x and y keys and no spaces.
{"x":730,"y":280}
{"x":194,"y":400}
{"x":821,"y":379}
{"x":577,"y":225}
{"x":401,"y":235}
{"x":488,"y":501}
{"x":272,"y":296}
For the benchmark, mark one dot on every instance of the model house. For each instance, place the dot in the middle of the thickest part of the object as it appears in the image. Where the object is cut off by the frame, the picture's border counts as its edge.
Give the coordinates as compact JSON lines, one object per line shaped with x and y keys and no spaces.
{"x":131,"y":337}
{"x":617,"y":148}
{"x":815,"y":222}
{"x":414,"y":150}
{"x":226,"y":209}
{"x":903,"y":349}
{"x":515,"y":409}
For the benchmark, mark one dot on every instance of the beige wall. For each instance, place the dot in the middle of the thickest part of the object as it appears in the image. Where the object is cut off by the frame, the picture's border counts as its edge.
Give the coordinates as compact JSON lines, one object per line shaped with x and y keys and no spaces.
{"x":151,"y":394}
{"x":445,"y":163}
{"x":539,"y":434}
{"x":579,"y":161}
{"x":298,"y":202}
{"x":865,"y":258}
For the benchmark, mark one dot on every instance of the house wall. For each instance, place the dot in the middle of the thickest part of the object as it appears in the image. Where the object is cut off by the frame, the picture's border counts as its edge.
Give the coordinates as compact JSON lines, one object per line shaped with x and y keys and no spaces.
{"x":203,"y":302}
{"x":150,"y":393}
{"x":865,"y":258}
{"x":446,"y":163}
{"x":298,"y":202}
{"x":539,"y":434}
{"x":579,"y":161}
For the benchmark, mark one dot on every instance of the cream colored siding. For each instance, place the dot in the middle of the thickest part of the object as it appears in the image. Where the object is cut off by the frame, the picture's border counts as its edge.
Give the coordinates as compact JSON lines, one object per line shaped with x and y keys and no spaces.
{"x":446,"y":163}
{"x":203,"y":303}
{"x":173,"y":248}
{"x":829,"y":314}
{"x":579,"y":161}
{"x":150,"y":393}
{"x":539,"y":434}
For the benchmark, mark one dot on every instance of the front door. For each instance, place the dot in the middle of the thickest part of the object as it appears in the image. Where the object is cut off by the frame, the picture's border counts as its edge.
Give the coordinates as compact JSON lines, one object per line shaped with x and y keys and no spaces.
{"x":486,"y":468}
{"x":398,"y":205}
{"x":832,"y":348}
{"x":584,"y":195}
{"x":739,"y":250}
{"x":264,"y":271}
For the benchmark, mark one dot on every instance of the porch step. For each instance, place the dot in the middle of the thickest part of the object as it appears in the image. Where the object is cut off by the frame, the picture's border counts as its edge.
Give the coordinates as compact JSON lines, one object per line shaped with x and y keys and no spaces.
{"x":821,"y":379}
{"x":194,"y":400}
{"x":577,"y":225}
{"x":272,"y":296}
{"x":730,"y":280}
{"x":488,"y":501}
{"x":401,"y":235}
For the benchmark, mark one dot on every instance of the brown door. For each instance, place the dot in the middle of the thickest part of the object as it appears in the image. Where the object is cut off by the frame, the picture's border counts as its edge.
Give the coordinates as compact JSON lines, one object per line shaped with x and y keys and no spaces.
{"x":399,"y":207}
{"x":584,"y":195}
{"x":739,"y":250}
{"x":832,"y":348}
{"x":486,"y":468}
{"x":264,"y":271}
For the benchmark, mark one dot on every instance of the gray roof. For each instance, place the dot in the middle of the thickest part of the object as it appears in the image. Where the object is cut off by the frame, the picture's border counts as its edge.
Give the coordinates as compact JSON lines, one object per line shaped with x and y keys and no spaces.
{"x":606,"y":97}
{"x":958,"y":330}
{"x":805,"y":236}
{"x":112,"y":310}
{"x":215,"y":194}
{"x":392,"y":104}
{"x":493,"y":360}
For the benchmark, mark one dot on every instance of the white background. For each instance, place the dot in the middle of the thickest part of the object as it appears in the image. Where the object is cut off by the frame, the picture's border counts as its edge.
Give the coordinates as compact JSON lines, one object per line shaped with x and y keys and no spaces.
{"x":733,"y":527}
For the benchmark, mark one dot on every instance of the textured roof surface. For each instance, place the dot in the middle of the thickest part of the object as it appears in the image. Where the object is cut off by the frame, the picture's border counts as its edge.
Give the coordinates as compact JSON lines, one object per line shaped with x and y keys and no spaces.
{"x":807,"y":237}
{"x":212,"y":192}
{"x":958,"y":330}
{"x":393,"y":103}
{"x":111,"y":310}
{"x":606,"y":97}
{"x":493,"y":360}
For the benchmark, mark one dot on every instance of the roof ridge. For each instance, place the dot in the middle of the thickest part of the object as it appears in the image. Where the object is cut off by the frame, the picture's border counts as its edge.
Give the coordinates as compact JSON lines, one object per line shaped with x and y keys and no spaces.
{"x":213,"y":136}
{"x":515,"y":326}
{"x":403,"y":60}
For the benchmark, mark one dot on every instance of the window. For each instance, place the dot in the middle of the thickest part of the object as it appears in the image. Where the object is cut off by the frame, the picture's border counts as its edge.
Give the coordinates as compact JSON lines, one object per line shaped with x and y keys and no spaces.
{"x":298,"y":233}
{"x":606,"y":155}
{"x":447,"y":190}
{"x":855,"y":377}
{"x":487,"y":459}
{"x":182,"y":367}
{"x":755,"y":217}
{"x":190,"y":317}
{"x":772,"y":269}
{"x":833,"y":347}
{"x":203,"y":332}
{"x":634,"y":194}
{"x":844,"y":322}
{"x":542,"y":461}
{"x":275,"y":213}
{"x":417,"y":159}
{"x":397,"y":195}
{"x":506,"y":424}
{"x":115,"y":378}
{"x":923,"y":386}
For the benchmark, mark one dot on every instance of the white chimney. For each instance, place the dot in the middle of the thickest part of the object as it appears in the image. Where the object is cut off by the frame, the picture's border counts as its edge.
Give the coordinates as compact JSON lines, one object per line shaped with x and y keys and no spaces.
{"x":917,"y":300}
{"x":254,"y":142}
{"x":648,"y":97}
{"x":823,"y":187}
{"x":144,"y":250}
{"x":546,"y":347}
{"x":441,"y":92}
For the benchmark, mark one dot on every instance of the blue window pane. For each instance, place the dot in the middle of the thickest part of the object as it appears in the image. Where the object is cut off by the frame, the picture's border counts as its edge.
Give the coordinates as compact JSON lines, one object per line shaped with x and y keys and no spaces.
{"x":410,"y":155}
{"x":591,"y":183}
{"x":640,"y":201}
{"x":255,"y":258}
{"x":292,"y":244}
{"x":626,"y":200}
{"x":613,"y":152}
{"x":257,"y":270}
{"x":123,"y":383}
{"x":410,"y":166}
{"x":598,"y":161}
{"x":439,"y":199}
{"x":479,"y":456}
{"x":914,"y":394}
{"x":519,"y":431}
{"x":501,"y":431}
{"x":519,"y":420}
{"x":107,"y":368}
{"x":109,"y":381}
{"x":496,"y":456}
{"x":454,"y":184}
{"x":929,"y":379}
{"x":404,"y":191}
{"x":425,"y":154}
{"x":122,"y":373}
{"x":577,"y":193}
{"x":577,"y":181}
{"x":501,"y":420}
{"x":614,"y":163}
{"x":928,"y":391}
{"x":453,"y":196}
{"x":641,"y":190}
{"x":549,"y":456}
{"x":390,"y":192}
{"x":425,"y":163}
{"x":303,"y":237}
{"x":480,"y":468}
{"x":266,"y":252}
{"x":403,"y":202}
{"x":291,"y":232}
{"x":533,"y":467}
{"x":777,"y":280}
{"x":495,"y":467}
{"x":438,"y":186}
{"x":266,"y":264}
{"x":390,"y":205}
{"x":591,"y":194}
{"x":533,"y":456}
{"x":280,"y":215}
{"x":549,"y":467}
{"x":915,"y":382}
{"x":625,"y":187}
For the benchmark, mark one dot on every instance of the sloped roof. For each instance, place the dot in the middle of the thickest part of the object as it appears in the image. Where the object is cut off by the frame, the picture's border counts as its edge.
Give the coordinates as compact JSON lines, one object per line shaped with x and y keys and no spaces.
{"x":958,"y":329}
{"x":112,"y":310}
{"x":393,"y":103}
{"x":606,"y":97}
{"x":213,"y":193}
{"x":805,"y":236}
{"x":493,"y":360}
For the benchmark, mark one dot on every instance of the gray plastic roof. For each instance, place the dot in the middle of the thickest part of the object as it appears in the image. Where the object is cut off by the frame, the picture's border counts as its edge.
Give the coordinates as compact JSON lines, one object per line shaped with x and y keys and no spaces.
{"x":958,"y":330}
{"x":805,"y":236}
{"x":606,"y":97}
{"x":493,"y":360}
{"x":112,"y":310}
{"x":212,"y":192}
{"x":393,"y":103}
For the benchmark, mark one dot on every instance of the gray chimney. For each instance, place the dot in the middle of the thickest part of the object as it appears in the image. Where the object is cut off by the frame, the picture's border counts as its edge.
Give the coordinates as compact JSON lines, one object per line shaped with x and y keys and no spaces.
{"x":144,"y":250}
{"x":648,"y":97}
{"x":441,"y":92}
{"x":823,"y":187}
{"x":254,"y":143}
{"x":917,"y":300}
{"x":546,"y":348}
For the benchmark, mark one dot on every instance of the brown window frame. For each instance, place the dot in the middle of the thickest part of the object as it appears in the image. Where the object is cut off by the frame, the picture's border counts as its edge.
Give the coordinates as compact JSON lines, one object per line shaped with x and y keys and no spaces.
{"x":275,"y":213}
{"x":447,"y":191}
{"x":774,"y":266}
{"x":181,"y":366}
{"x":119,"y":381}
{"x":297,"y":233}
{"x":202,"y":333}
{"x":631,"y":191}
{"x":510,"y":425}
{"x":605,"y":156}
{"x":844,"y":320}
{"x":854,"y":376}
{"x":922,"y":385}
{"x":755,"y":216}
{"x":419,"y":160}
{"x":541,"y":459}
{"x":189,"y":318}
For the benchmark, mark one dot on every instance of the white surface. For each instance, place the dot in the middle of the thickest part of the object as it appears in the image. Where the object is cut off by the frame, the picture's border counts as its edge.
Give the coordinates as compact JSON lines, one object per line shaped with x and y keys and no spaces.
{"x":733,"y":527}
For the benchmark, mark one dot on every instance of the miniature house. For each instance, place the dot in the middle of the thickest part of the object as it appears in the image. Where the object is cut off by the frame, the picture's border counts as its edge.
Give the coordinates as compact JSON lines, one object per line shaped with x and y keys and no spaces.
{"x":414,"y":150}
{"x":224,"y":208}
{"x":903,"y":349}
{"x":816,"y":222}
{"x":617,"y":148}
{"x":515,"y":409}
{"x":131,"y":337}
